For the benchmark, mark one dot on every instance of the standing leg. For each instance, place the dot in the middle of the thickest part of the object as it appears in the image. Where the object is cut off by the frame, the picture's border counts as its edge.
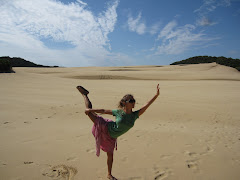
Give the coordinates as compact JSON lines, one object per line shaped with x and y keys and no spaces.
{"x":88,"y":103}
{"x":110,"y":163}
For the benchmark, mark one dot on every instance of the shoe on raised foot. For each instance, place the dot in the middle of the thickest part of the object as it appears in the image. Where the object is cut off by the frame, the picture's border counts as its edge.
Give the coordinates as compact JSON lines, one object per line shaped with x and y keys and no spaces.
{"x":82,"y":90}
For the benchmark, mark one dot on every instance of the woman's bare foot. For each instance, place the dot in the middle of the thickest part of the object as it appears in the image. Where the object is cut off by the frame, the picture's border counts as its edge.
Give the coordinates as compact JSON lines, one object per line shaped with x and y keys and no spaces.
{"x":82,"y":90}
{"x":111,"y":177}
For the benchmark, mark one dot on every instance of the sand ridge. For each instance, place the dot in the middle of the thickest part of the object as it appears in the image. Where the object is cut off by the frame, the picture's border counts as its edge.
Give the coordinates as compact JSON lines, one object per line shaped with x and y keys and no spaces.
{"x":211,"y":71}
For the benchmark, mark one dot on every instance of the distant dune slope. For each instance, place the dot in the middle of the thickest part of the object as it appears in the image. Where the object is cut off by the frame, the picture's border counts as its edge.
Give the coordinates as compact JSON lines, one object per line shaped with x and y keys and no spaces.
{"x":210,"y":71}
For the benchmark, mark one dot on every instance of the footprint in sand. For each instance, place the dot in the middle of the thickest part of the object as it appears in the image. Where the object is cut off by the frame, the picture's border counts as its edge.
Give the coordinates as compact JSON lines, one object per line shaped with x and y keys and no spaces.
{"x":194,"y":160}
{"x":61,"y":172}
{"x":191,"y":154}
{"x":27,"y":122}
{"x":2,"y":164}
{"x":161,"y":174}
{"x":207,"y":151}
{"x":52,"y":115}
{"x":72,"y":159}
{"x":165,"y":156}
{"x":91,"y":150}
{"x":28,"y":162}
{"x":192,"y":164}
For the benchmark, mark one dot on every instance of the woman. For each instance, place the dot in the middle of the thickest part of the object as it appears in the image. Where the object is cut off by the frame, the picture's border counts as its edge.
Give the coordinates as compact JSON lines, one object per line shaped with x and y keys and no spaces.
{"x":107,"y":131}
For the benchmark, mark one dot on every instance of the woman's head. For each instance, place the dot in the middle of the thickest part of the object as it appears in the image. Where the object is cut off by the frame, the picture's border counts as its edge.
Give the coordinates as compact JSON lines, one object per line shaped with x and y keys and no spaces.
{"x":127,"y":99}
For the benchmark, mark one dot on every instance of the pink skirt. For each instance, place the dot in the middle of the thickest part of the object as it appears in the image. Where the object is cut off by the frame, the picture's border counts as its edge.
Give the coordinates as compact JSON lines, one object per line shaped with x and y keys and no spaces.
{"x":102,"y":137}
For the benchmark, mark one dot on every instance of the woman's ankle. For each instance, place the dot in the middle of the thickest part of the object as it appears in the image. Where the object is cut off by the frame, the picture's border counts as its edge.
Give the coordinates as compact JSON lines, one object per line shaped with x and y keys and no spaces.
{"x":111,"y":177}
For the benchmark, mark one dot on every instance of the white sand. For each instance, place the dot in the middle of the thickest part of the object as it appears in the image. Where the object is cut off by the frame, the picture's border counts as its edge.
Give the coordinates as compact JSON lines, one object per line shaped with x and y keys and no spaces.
{"x":191,"y":132}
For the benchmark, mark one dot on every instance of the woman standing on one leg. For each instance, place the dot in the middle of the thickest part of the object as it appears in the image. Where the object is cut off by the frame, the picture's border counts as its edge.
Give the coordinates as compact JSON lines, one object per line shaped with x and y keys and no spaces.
{"x":107,"y":131}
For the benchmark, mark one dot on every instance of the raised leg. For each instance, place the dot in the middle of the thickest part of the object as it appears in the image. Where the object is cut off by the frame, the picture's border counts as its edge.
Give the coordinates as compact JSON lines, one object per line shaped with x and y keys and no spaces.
{"x":92,"y":116}
{"x":88,"y":103}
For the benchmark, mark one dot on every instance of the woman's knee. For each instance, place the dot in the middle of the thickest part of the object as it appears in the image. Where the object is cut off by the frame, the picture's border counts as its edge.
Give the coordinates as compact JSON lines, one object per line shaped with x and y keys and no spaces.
{"x":92,"y":116}
{"x":110,"y":155}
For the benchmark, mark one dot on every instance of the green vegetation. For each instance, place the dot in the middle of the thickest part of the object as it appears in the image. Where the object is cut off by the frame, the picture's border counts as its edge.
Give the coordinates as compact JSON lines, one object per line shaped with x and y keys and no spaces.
{"x":234,"y":63}
{"x":6,"y":64}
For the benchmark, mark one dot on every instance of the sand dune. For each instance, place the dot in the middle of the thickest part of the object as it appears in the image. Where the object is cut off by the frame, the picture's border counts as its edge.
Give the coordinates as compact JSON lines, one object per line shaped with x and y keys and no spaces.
{"x":191,"y":132}
{"x":211,"y":71}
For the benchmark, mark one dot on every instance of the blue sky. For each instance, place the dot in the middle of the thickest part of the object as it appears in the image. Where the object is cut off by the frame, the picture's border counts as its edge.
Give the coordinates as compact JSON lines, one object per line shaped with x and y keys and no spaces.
{"x":74,"y":33}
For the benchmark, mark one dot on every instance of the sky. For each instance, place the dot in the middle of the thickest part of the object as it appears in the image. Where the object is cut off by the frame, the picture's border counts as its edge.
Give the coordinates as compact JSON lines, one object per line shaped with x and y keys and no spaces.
{"x":80,"y":33}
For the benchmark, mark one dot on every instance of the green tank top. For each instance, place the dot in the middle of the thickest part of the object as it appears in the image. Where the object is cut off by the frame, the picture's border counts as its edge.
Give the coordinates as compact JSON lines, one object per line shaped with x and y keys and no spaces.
{"x":123,"y":123}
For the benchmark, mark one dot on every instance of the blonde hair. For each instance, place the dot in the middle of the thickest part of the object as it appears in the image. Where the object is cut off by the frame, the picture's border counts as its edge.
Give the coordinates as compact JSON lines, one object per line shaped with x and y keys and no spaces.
{"x":124,"y":99}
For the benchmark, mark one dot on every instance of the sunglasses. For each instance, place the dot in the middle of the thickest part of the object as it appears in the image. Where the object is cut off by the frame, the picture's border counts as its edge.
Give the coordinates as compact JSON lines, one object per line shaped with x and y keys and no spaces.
{"x":130,"y":101}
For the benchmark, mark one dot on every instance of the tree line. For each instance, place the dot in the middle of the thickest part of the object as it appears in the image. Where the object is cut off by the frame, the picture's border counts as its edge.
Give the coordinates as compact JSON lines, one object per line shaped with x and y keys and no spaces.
{"x":234,"y":63}
{"x":6,"y":64}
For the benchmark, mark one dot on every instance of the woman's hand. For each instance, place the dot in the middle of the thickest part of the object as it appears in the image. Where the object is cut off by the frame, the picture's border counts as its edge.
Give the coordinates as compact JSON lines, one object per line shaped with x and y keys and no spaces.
{"x":144,"y":108}
{"x":87,"y":111}
{"x":158,"y":90}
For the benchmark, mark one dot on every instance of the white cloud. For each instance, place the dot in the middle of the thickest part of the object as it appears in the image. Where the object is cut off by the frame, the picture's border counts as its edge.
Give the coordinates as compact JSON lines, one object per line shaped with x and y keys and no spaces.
{"x":167,"y":29}
{"x":176,"y":40}
{"x":224,"y":3}
{"x":136,"y":25}
{"x":204,"y":21}
{"x":208,"y":7}
{"x":25,"y":25}
{"x":82,"y":3}
{"x":154,"y":28}
{"x":107,"y":20}
{"x":139,"y":26}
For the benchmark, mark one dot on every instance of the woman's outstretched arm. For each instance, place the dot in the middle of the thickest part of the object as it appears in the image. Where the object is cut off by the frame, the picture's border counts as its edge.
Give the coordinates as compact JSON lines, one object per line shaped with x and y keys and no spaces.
{"x":101,"y":111}
{"x":144,"y":108}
